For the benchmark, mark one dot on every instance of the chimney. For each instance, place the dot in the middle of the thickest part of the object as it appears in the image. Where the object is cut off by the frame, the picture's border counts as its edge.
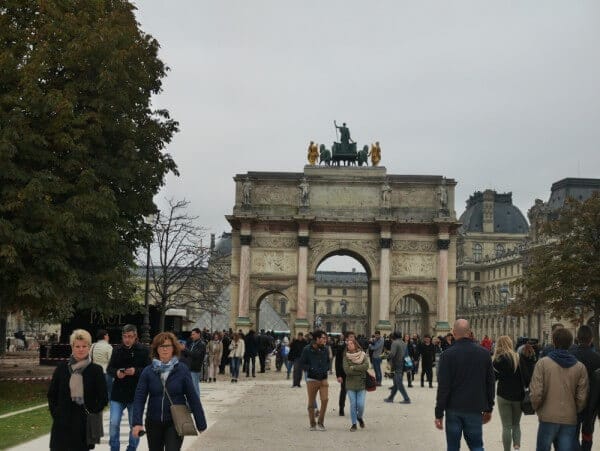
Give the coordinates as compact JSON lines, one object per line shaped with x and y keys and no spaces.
{"x":212,"y":241}
{"x":489,"y":197}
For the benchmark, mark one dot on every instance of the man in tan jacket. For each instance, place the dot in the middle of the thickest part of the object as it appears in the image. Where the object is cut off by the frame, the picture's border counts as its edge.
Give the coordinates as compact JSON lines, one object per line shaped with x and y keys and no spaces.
{"x":558,"y":390}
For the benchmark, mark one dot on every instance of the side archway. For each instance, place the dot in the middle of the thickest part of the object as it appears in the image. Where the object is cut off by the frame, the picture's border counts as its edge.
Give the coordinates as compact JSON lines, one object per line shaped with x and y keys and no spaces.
{"x":273,"y":310}
{"x":412,"y":314}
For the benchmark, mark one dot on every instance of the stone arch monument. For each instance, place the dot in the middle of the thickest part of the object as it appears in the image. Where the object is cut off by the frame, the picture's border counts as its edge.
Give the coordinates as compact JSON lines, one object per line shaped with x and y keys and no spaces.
{"x":284,"y":224}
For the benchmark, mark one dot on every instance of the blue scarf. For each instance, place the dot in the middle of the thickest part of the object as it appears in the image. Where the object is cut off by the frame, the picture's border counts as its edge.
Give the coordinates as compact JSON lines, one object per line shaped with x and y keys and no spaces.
{"x":563,"y":357}
{"x":160,"y":367}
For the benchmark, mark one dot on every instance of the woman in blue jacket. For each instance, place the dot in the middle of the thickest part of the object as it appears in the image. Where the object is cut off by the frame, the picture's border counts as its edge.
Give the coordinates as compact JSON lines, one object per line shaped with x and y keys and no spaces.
{"x":165,"y":370}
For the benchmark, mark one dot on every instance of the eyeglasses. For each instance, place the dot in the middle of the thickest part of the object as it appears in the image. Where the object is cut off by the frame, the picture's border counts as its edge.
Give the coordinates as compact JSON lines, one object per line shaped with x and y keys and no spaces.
{"x":165,"y":346}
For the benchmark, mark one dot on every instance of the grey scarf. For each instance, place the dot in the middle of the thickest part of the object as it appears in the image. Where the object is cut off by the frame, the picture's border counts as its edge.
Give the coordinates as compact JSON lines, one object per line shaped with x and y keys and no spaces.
{"x":76,"y":369}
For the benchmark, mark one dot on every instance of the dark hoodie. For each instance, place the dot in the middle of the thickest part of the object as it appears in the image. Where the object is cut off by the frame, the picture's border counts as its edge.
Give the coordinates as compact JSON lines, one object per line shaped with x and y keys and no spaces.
{"x":563,"y":357}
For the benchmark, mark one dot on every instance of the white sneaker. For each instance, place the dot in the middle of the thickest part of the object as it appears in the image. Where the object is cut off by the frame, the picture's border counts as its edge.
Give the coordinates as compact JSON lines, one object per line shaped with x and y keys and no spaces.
{"x":321,"y":427}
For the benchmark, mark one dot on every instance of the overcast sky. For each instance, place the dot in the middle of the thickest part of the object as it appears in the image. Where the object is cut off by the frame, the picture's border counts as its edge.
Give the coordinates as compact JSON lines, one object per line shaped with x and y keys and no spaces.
{"x":501,"y":95}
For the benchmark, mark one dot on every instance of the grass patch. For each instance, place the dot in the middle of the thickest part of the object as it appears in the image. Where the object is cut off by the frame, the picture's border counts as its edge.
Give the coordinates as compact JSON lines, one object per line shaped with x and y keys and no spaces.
{"x":24,"y":427}
{"x":20,"y":395}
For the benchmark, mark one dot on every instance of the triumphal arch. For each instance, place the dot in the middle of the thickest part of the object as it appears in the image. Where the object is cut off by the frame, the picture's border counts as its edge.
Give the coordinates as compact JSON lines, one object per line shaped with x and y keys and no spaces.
{"x":402,"y":228}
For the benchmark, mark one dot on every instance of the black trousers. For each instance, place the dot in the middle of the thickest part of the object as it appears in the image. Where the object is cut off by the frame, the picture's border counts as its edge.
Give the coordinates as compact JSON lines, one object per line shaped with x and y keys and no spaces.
{"x":262,"y":357}
{"x":342,"y":394}
{"x":427,"y":370}
{"x":247,"y":362}
{"x":297,"y":374}
{"x":162,"y":437}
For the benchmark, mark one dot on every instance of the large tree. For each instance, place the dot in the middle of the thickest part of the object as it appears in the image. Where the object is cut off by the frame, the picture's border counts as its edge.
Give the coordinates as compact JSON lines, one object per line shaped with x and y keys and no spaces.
{"x":562,"y":272}
{"x":81,"y":153}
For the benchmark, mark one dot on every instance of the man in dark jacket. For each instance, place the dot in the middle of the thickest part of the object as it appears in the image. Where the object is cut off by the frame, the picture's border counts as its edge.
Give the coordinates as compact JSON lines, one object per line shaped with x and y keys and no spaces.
{"x":426,"y":350}
{"x":315,"y":361}
{"x":225,"y":357}
{"x":465,"y":389}
{"x":126,"y":364}
{"x":296,"y":348}
{"x":195,"y":353}
{"x":265,"y":346}
{"x":591,"y":359}
{"x":250,"y":353}
{"x":396,"y":360}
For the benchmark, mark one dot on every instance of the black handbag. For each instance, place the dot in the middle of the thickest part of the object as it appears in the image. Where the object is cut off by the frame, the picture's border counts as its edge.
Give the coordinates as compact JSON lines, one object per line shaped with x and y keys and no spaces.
{"x":370,"y":382}
{"x":526,"y":406}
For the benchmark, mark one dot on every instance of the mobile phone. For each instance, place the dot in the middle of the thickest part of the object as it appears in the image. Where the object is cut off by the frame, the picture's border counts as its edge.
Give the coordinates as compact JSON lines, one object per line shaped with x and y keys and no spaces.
{"x":141,"y":433}
{"x":122,"y":370}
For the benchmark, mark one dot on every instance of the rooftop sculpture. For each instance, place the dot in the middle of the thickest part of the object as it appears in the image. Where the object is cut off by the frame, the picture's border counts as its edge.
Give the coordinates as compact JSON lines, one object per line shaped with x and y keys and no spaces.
{"x":344,"y":151}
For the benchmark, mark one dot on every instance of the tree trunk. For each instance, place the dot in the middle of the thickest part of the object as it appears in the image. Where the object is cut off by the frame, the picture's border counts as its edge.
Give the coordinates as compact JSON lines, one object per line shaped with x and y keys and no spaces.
{"x":3,"y":323}
{"x":161,"y":320}
{"x":596,"y":324}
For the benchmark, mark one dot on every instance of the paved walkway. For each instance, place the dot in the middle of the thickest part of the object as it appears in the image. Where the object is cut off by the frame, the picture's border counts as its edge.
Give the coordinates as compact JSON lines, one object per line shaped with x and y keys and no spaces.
{"x":265,"y":413}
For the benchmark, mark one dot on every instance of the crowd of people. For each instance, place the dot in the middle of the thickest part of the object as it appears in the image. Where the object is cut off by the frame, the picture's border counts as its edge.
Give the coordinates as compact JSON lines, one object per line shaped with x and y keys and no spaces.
{"x":560,"y":382}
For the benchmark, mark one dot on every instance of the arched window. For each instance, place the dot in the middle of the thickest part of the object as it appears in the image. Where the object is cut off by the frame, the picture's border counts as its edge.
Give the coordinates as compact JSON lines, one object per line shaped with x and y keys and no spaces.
{"x":477,"y":252}
{"x":282,"y":304}
{"x":499,"y":250}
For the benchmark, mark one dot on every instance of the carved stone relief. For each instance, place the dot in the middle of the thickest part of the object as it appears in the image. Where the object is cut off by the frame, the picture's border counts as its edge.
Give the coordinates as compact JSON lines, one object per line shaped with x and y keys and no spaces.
{"x":414,"y":265}
{"x":275,"y":242}
{"x":274,"y":195}
{"x":273,"y":262}
{"x":414,"y":246}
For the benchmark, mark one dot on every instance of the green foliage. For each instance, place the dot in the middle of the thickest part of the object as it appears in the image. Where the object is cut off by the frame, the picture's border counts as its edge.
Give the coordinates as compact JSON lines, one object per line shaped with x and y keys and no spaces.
{"x":24,"y":427}
{"x":81,"y":152}
{"x":21,"y":395}
{"x":562,"y":275}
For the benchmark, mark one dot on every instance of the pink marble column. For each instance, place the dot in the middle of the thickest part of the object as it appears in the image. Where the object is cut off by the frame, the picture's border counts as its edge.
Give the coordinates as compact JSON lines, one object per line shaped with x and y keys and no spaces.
{"x":442,"y":281}
{"x":302,"y":280}
{"x":244,"y":293}
{"x":384,"y":283}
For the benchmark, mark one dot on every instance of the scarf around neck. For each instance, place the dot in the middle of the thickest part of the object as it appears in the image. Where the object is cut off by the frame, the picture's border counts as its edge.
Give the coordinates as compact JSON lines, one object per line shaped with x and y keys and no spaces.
{"x":356,"y":357}
{"x":160,"y":367}
{"x":76,"y":369}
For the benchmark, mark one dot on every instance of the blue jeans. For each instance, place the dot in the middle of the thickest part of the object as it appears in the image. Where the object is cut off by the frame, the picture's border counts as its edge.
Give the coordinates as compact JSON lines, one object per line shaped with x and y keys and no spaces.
{"x":357,"y":404}
{"x":377,"y":368}
{"x":109,"y":383}
{"x":196,"y":381}
{"x":116,"y":413}
{"x":469,"y":424}
{"x":563,"y":436}
{"x":235,"y":367}
{"x":398,"y":386}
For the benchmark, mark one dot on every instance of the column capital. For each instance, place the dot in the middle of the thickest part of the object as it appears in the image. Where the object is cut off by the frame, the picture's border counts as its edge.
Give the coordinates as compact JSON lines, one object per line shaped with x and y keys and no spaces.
{"x":385,"y":243}
{"x":245,"y":240}
{"x":443,"y":244}
{"x":303,"y":241}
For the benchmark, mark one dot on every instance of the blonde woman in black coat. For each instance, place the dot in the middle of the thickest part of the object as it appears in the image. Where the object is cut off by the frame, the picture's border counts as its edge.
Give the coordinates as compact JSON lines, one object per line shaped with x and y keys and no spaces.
{"x":77,"y":389}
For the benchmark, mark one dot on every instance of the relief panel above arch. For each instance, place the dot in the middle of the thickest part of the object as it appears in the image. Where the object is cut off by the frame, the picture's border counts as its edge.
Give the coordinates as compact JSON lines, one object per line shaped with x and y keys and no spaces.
{"x":414,"y":265}
{"x":274,"y":262}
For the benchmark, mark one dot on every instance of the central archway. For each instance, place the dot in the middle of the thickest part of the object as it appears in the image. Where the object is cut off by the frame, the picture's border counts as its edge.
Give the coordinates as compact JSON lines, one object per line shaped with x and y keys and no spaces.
{"x":341,"y":298}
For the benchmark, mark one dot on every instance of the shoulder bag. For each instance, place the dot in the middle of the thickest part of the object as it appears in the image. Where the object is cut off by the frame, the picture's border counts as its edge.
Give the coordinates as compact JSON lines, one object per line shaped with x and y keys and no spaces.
{"x":370,"y":382}
{"x":181,"y":415}
{"x":526,"y":406}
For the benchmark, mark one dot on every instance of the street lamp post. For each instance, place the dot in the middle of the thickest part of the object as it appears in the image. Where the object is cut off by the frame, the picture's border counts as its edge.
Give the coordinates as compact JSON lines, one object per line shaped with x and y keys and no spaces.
{"x":146,"y":324}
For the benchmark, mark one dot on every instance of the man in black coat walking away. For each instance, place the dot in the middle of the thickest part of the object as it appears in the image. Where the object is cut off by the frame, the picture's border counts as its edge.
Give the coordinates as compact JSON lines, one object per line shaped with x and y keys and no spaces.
{"x":296,"y":348}
{"x":426,"y":349}
{"x":265,"y":346}
{"x":251,"y":343}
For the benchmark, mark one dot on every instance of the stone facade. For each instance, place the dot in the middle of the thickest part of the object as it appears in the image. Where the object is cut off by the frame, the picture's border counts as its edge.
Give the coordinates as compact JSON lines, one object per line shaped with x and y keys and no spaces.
{"x":402,"y":229}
